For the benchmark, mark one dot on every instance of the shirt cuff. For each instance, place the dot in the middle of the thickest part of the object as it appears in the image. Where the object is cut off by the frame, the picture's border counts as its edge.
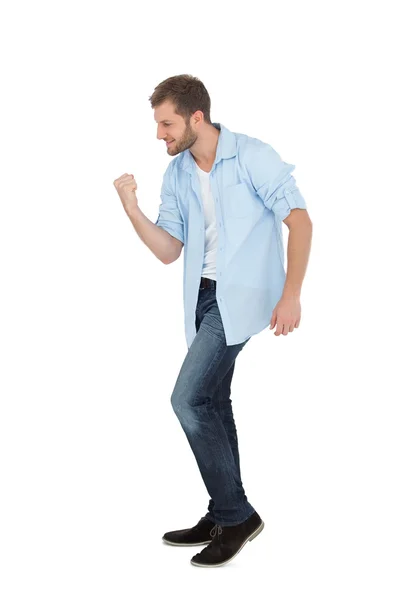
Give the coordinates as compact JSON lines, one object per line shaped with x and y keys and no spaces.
{"x":292,"y":198}
{"x":176,"y":233}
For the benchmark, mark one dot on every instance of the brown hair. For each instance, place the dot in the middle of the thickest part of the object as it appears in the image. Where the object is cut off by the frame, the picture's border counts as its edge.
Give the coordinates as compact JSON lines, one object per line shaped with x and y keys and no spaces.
{"x":187,"y":93}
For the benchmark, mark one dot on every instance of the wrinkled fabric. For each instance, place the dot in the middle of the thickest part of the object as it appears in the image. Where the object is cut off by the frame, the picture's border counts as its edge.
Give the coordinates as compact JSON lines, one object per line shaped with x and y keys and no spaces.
{"x":254,"y":191}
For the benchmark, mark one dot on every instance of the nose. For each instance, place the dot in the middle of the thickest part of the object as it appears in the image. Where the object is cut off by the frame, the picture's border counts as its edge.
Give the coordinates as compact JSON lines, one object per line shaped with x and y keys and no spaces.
{"x":160,"y":134}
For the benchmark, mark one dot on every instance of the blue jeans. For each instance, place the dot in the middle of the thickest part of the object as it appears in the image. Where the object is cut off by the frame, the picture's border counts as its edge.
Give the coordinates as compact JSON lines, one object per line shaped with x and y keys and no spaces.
{"x":201,"y":401}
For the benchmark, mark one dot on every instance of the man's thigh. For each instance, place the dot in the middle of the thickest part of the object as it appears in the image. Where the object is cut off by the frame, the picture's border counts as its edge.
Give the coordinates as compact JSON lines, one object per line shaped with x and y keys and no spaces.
{"x":207,"y":362}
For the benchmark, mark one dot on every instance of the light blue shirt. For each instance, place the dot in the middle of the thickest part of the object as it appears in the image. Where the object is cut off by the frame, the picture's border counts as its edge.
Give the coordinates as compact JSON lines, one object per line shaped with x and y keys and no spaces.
{"x":254,"y":191}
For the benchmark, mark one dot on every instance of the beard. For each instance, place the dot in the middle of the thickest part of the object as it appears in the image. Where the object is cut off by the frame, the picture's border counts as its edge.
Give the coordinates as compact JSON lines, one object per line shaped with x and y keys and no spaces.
{"x":187,"y":140}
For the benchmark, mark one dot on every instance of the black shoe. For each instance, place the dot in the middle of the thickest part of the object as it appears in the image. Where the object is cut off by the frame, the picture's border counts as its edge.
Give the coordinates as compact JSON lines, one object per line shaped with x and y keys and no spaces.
{"x":228,"y":541}
{"x":195,"y":536}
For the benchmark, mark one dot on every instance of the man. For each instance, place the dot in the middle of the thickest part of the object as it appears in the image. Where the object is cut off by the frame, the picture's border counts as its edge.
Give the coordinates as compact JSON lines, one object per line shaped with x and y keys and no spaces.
{"x":224,"y":196}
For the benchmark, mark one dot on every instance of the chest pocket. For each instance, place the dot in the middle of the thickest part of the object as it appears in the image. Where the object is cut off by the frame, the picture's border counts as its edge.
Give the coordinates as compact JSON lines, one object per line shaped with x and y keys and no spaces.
{"x":239,"y":200}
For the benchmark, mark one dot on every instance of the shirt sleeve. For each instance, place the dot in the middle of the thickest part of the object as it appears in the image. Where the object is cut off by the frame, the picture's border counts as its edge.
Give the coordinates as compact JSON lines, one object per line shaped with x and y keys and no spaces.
{"x":169,"y":215}
{"x":272,"y":180}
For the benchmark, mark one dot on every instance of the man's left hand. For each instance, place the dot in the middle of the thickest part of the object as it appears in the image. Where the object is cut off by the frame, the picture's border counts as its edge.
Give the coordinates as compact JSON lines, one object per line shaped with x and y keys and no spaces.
{"x":286,"y":315}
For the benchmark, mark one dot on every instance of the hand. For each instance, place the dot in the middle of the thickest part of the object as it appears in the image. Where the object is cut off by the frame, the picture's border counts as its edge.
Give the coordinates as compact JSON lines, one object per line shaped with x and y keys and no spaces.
{"x":286,"y":315}
{"x":126,"y":187}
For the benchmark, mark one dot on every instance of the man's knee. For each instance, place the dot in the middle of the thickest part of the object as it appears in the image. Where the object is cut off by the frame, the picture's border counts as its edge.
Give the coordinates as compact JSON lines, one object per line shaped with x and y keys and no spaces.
{"x":179,"y":402}
{"x":184,"y":409}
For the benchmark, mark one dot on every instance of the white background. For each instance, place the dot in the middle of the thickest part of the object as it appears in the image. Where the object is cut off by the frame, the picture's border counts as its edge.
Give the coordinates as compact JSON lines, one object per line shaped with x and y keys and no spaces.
{"x":94,"y":464}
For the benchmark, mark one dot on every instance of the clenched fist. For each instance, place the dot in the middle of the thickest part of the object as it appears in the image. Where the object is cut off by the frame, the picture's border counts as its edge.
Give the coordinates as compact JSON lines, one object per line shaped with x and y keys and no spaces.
{"x":126,"y":187}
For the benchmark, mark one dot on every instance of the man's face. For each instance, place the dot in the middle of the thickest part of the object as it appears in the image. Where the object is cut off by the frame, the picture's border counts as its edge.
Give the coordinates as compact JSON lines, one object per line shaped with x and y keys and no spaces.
{"x":171,"y":126}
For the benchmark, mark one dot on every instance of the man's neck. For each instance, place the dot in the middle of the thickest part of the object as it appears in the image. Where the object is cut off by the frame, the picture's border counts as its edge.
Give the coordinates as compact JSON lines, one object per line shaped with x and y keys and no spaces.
{"x":205,"y":159}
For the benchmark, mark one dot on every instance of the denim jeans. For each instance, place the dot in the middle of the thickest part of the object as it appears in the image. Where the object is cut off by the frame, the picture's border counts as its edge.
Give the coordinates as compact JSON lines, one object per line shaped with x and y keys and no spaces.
{"x":201,"y":400}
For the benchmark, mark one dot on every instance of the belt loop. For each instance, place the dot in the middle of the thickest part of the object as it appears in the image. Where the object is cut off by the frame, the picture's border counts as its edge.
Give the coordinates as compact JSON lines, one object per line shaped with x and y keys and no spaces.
{"x":206,"y":283}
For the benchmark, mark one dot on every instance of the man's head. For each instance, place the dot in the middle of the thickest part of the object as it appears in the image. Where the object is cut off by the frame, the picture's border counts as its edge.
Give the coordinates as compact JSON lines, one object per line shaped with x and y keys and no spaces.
{"x":181,"y":110}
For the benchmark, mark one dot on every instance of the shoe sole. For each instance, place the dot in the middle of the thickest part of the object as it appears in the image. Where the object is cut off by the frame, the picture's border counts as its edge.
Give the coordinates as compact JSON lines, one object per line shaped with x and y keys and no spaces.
{"x":183,"y":544}
{"x":249,"y":539}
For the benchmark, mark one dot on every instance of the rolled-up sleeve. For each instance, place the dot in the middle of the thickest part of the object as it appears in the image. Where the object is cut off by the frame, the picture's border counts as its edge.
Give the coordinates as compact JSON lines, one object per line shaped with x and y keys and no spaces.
{"x":272,"y":180}
{"x":169,"y":215}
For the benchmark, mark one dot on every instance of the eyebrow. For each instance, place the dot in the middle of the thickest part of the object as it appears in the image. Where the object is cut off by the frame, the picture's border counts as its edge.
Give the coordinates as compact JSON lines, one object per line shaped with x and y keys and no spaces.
{"x":166,"y":120}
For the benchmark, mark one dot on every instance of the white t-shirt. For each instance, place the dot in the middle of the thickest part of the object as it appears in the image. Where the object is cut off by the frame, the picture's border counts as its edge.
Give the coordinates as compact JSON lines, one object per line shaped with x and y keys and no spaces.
{"x":211,"y":233}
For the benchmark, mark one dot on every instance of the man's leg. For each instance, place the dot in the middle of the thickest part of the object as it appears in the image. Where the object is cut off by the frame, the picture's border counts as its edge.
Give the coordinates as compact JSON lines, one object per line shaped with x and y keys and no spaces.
{"x":206,"y":364}
{"x":223,"y":404}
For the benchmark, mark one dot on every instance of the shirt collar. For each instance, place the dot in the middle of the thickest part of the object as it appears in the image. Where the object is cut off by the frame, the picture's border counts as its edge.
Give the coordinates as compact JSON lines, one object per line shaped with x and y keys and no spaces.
{"x":226,"y":148}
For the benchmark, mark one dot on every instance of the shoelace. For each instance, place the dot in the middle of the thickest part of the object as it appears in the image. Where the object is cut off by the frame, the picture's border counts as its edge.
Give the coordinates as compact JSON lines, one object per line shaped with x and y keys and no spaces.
{"x":216,"y":530}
